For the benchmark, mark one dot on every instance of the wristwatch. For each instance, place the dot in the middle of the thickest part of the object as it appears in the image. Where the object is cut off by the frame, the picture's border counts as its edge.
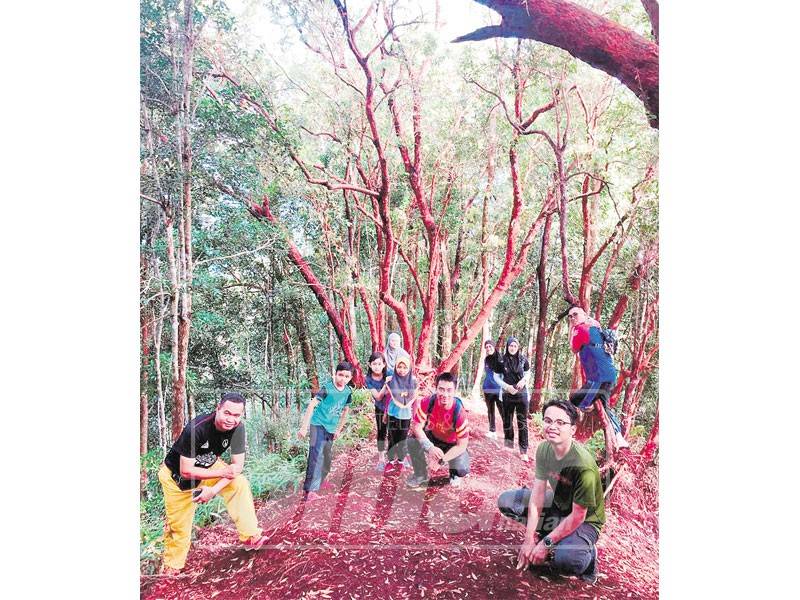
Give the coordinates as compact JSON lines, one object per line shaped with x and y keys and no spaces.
{"x":548,"y":543}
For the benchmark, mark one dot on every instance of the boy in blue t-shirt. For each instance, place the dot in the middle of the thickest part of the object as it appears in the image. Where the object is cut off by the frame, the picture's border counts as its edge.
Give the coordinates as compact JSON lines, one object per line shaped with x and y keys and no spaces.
{"x":326,"y":414}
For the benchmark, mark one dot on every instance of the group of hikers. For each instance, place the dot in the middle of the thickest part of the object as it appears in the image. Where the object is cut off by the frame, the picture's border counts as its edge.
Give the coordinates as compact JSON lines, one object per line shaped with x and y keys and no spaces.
{"x":562,"y":523}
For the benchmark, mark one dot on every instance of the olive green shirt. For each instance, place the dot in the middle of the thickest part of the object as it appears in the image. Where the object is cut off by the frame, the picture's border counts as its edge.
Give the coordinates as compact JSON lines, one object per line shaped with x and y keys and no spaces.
{"x":574,"y":478}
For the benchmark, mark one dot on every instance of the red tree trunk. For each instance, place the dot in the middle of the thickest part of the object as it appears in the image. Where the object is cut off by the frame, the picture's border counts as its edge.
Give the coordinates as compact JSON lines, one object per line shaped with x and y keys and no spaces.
{"x":587,"y":36}
{"x":319,"y":293}
{"x":652,"y":441}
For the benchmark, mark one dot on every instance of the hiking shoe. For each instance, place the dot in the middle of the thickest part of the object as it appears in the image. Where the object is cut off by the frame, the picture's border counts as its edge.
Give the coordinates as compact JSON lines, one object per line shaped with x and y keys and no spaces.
{"x":311,"y":496}
{"x":416,"y":481}
{"x":456,"y":481}
{"x":255,"y":542}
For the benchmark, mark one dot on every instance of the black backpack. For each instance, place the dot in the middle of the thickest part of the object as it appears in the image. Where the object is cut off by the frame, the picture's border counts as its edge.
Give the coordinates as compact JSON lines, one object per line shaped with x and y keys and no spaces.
{"x":610,"y":340}
{"x":456,"y":411}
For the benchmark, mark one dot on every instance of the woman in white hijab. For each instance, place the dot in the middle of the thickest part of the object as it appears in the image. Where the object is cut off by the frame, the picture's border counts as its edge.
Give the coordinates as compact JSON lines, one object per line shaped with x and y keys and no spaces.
{"x":394,"y":350}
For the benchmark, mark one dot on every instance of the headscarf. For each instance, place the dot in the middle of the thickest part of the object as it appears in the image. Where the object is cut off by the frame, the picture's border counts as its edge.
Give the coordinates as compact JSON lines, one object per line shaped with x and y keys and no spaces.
{"x":392,"y":354}
{"x":403,"y":385}
{"x":514,"y":361}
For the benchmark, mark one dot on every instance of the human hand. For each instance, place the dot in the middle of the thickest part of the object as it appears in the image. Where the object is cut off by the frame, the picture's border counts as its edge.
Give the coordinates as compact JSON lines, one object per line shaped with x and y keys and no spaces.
{"x":206,"y":494}
{"x":525,"y":556}
{"x":436,"y":454}
{"x":302,"y":433}
{"x":540,"y":554}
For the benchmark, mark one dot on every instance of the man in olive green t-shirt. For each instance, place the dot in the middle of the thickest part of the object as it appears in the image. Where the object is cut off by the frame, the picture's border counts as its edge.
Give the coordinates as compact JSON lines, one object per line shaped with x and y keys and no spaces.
{"x":562,"y":524}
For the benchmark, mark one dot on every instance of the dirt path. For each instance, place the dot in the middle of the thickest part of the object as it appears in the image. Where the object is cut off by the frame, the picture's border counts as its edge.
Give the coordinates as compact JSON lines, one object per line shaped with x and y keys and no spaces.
{"x":373,"y":537}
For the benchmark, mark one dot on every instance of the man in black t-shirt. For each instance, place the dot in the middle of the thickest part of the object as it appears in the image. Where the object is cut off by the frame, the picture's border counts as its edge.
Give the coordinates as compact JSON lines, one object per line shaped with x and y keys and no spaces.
{"x":193,"y":473}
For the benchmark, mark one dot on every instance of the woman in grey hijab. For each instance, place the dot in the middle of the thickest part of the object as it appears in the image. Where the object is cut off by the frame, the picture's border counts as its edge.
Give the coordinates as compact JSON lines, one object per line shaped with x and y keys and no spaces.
{"x":394,"y":350}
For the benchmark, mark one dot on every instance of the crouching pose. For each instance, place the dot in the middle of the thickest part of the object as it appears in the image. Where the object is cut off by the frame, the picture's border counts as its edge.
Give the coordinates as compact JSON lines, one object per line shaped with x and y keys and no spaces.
{"x":192,"y":473}
{"x":564,"y":523}
{"x":440,"y":434}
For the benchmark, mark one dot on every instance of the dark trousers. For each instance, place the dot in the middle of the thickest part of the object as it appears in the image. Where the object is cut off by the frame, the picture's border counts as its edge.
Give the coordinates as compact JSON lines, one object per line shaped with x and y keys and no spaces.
{"x":320,"y":444}
{"x":492,"y":400}
{"x":592,"y":391}
{"x":575,"y":554}
{"x":382,"y":427}
{"x":458,"y":466}
{"x":518,"y":404}
{"x":398,"y":432}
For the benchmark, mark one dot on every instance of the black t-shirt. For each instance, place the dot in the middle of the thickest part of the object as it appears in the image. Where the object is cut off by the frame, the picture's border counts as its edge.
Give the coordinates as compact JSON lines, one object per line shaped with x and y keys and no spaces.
{"x":202,"y":441}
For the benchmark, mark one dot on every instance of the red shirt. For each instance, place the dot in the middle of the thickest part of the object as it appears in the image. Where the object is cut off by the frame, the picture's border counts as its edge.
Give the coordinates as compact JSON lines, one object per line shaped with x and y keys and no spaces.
{"x":440,"y":422}
{"x":579,"y":336}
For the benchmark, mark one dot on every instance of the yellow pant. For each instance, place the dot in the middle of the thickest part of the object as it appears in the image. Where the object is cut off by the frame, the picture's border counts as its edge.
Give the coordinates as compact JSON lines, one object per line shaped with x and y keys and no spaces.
{"x":180,"y":512}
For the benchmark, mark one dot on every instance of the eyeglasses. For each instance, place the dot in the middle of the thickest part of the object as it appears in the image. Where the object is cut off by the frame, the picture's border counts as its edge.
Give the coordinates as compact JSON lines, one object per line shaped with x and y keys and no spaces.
{"x":559,"y":422}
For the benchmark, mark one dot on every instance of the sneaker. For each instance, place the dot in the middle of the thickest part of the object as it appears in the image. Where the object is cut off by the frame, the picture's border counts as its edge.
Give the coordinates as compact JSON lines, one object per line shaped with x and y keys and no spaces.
{"x":311,"y":496}
{"x":491,"y":435}
{"x":417,"y":481}
{"x":381,"y":465}
{"x":622,"y":442}
{"x":407,"y":462}
{"x":257,"y":541}
{"x":525,"y":458}
{"x":456,"y":481}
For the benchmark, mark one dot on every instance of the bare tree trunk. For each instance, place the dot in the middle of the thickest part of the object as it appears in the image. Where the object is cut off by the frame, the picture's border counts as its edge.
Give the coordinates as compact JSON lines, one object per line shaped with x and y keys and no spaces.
{"x":186,"y":266}
{"x":541,"y":330}
{"x":306,"y":347}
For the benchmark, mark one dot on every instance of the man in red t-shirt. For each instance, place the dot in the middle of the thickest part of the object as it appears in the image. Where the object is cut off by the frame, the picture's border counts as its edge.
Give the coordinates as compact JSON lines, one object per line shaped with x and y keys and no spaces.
{"x":439,"y":434}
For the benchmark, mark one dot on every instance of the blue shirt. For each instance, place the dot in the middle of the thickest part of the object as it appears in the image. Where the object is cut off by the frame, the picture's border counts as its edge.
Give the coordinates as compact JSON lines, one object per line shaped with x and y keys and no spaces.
{"x":596,"y":362}
{"x":377,"y":385}
{"x":331,"y":404}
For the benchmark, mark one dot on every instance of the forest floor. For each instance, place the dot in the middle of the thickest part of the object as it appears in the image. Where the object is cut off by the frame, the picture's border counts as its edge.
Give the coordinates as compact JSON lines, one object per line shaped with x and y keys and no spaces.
{"x":373,"y":537}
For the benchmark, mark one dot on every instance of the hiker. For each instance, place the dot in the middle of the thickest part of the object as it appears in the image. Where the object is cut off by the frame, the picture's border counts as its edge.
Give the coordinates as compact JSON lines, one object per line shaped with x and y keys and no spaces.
{"x":393,"y":351}
{"x":492,"y":379}
{"x":326,"y":414}
{"x":193,"y":473}
{"x":598,"y":368}
{"x":376,"y":384}
{"x":516,"y":372}
{"x":562,"y":524}
{"x":440,"y":434}
{"x":402,"y":389}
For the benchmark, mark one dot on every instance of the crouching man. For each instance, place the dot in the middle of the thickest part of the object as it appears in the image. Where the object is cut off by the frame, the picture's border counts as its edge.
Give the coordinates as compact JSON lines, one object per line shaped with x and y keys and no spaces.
{"x":192,"y":473}
{"x":563,"y":523}
{"x":439,"y":434}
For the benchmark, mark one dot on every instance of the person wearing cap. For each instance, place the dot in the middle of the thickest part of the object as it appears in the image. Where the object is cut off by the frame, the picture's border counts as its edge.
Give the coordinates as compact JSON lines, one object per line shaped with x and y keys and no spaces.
{"x":516,"y":372}
{"x":492,"y":380}
{"x":193,"y":473}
